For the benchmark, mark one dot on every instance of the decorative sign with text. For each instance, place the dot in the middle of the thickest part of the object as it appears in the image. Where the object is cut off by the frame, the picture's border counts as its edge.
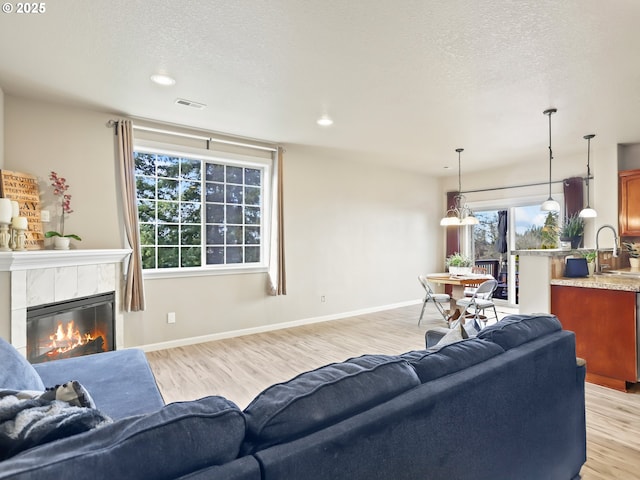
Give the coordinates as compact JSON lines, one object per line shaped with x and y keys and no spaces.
{"x":23,"y":188}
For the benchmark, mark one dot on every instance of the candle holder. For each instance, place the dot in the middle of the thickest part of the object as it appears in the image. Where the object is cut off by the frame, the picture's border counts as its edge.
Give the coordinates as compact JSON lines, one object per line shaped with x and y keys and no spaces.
{"x":5,"y":237}
{"x":20,"y":238}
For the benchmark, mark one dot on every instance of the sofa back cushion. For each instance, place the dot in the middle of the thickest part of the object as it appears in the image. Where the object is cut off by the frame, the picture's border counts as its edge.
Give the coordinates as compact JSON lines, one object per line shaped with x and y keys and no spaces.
{"x":16,"y":373}
{"x":450,"y":358}
{"x":515,"y":330}
{"x":175,"y":440}
{"x":322,"y":397}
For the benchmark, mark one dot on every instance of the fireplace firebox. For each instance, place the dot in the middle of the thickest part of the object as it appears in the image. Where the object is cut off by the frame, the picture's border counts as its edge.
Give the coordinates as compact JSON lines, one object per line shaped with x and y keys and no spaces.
{"x":71,"y":329}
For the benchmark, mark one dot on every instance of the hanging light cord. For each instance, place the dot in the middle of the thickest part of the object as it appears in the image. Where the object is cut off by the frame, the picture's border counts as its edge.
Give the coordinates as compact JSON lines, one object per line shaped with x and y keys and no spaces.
{"x":459,"y":150}
{"x":549,"y":112}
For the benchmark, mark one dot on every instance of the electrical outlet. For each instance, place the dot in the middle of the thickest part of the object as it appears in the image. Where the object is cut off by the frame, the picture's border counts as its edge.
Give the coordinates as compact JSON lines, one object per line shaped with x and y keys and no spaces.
{"x":45,"y":217}
{"x":323,"y":299}
{"x":171,"y":317}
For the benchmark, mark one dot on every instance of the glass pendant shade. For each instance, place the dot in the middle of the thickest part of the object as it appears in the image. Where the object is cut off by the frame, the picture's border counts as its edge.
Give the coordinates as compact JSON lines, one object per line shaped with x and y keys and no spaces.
{"x":550,"y":205}
{"x":588,"y":212}
{"x":460,"y":214}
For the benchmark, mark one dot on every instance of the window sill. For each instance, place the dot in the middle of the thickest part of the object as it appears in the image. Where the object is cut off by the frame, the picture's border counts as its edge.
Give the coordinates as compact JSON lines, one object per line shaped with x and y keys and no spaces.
{"x":200,"y":272}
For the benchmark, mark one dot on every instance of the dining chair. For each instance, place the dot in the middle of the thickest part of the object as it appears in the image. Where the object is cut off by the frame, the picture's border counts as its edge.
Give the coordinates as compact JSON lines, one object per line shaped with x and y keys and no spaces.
{"x":438,"y":299}
{"x":475,"y":306}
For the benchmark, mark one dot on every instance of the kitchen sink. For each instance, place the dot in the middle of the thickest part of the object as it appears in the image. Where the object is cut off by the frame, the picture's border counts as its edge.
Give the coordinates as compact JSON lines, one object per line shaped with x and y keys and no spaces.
{"x":625,"y":273}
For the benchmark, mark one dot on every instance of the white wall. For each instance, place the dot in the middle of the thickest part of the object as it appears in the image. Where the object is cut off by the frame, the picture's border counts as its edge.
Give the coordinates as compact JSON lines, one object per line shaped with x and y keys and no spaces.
{"x":356,"y":233}
{"x":1,"y":129}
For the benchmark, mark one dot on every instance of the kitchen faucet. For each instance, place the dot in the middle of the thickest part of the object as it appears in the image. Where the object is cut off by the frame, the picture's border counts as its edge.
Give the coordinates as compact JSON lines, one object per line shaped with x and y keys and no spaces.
{"x":615,"y":245}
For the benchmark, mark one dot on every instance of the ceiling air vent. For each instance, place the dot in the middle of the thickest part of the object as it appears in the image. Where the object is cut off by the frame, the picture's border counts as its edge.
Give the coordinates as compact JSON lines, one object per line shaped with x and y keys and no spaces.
{"x":189,"y":103}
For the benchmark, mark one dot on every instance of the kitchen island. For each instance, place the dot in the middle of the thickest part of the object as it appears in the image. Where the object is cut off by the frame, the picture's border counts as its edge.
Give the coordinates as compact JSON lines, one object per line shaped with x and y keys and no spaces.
{"x":602,"y":310}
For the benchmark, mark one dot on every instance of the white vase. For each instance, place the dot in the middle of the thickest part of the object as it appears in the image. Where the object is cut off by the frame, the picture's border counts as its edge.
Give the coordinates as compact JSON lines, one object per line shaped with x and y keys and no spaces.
{"x":61,"y":243}
{"x":460,"y":270}
{"x":635,"y":263}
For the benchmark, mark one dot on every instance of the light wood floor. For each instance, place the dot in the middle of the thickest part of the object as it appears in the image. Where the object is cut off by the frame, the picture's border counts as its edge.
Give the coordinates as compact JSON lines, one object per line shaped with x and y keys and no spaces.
{"x":240,"y":368}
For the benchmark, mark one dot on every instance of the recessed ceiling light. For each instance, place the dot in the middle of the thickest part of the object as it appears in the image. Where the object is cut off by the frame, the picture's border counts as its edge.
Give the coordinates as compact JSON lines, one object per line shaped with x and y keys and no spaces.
{"x":324,"y":121}
{"x":162,"y":79}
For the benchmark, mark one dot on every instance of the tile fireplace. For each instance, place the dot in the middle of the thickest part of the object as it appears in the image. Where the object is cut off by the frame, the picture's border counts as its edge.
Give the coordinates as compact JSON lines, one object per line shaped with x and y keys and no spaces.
{"x":33,"y":279}
{"x":71,"y":328}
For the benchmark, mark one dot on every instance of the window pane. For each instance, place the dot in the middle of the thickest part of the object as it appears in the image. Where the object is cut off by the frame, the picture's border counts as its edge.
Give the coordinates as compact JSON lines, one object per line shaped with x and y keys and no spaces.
{"x":190,"y":235}
{"x":234,"y":254}
{"x":252,"y":215}
{"x":147,"y":234}
{"x":168,"y":257}
{"x":190,"y":212}
{"x":146,"y":210}
{"x":148,"y":257}
{"x":167,"y":234}
{"x":215,"y":192}
{"x":529,"y":222}
{"x":252,"y":254}
{"x":215,"y":255}
{"x":215,"y":235}
{"x":168,"y":212}
{"x":215,"y":213}
{"x":167,"y":166}
{"x":190,"y":169}
{"x":252,"y":196}
{"x":190,"y":191}
{"x":145,"y":163}
{"x":190,"y":257}
{"x":252,"y":235}
{"x":234,"y":175}
{"x":234,"y":214}
{"x":168,"y":189}
{"x":234,"y":235}
{"x":252,"y":176}
{"x":215,"y":172}
{"x":145,"y":188}
{"x":234,"y":194}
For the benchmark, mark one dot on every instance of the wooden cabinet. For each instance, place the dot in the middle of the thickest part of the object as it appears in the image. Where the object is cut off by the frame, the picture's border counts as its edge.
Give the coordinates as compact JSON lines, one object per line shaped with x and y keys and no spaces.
{"x":629,"y":203}
{"x":604,"y":322}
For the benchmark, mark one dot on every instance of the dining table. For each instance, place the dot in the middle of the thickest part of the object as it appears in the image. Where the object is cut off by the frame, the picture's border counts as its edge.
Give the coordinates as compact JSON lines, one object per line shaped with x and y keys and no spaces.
{"x":458,"y":284}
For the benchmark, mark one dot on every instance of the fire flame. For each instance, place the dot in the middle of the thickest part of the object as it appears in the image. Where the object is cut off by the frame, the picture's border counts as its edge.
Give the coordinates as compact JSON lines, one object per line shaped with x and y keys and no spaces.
{"x":65,"y":339}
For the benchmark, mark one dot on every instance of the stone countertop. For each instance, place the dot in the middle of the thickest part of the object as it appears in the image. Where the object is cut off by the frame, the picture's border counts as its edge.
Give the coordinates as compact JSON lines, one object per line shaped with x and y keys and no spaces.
{"x":607,"y":282}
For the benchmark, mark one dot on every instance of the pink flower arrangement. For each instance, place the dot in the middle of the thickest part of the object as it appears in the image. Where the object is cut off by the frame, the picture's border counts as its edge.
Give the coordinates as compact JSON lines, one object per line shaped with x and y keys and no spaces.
{"x":60,"y":188}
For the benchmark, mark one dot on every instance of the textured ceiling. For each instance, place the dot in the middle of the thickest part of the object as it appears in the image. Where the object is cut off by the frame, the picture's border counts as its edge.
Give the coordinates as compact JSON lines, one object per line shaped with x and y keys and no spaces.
{"x":406,"y":81}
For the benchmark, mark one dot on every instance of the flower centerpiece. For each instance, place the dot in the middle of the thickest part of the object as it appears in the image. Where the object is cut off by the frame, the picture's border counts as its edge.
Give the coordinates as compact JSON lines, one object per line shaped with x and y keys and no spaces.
{"x":573,"y":230}
{"x":459,"y":264}
{"x":60,"y":187}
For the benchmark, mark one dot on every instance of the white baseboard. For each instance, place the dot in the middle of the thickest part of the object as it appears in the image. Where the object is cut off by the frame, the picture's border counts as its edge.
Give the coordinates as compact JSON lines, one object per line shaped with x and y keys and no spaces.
{"x":182,"y":342}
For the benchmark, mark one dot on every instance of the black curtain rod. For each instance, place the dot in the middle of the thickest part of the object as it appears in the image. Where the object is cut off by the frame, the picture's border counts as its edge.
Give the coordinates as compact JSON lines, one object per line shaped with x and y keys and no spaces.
{"x":524,"y":185}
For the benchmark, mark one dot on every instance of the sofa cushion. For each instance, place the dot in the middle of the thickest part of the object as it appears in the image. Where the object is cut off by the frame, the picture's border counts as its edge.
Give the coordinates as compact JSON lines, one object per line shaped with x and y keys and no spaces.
{"x":438,"y":362}
{"x":178,"y":439}
{"x":321,"y":397}
{"x":515,"y":330}
{"x":16,"y":372}
{"x":120,"y":382}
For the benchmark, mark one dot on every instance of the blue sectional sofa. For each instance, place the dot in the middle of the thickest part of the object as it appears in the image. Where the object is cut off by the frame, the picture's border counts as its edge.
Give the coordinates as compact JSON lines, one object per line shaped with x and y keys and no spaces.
{"x":508,"y":404}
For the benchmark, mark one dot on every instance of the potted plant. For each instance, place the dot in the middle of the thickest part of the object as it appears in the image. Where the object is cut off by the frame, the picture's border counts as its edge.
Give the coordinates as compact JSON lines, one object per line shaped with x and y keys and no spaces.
{"x":590,"y":257}
{"x":633,"y":249}
{"x":459,"y":264}
{"x":573,"y":230}
{"x":60,"y":187}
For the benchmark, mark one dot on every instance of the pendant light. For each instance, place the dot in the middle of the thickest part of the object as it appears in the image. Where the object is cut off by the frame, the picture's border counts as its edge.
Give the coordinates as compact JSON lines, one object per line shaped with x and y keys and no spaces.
{"x":460,"y":214}
{"x":550,"y":205}
{"x":588,"y":212}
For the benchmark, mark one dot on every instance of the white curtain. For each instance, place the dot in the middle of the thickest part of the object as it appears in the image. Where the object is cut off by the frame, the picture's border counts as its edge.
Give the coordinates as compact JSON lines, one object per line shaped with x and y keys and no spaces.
{"x":134,"y":286}
{"x":277,"y":274}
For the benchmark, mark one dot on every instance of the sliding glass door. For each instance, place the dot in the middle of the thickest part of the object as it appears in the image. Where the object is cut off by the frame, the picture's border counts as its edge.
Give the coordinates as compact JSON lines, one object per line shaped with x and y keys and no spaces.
{"x":524,"y":227}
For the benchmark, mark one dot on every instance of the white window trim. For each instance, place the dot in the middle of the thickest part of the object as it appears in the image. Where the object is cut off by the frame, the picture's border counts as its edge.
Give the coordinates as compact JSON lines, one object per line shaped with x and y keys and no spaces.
{"x":227,"y":158}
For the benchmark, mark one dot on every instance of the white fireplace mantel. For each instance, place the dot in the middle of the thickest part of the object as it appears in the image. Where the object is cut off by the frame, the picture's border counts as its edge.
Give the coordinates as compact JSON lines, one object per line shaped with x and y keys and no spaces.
{"x":39,"y":277}
{"x":33,"y":259}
